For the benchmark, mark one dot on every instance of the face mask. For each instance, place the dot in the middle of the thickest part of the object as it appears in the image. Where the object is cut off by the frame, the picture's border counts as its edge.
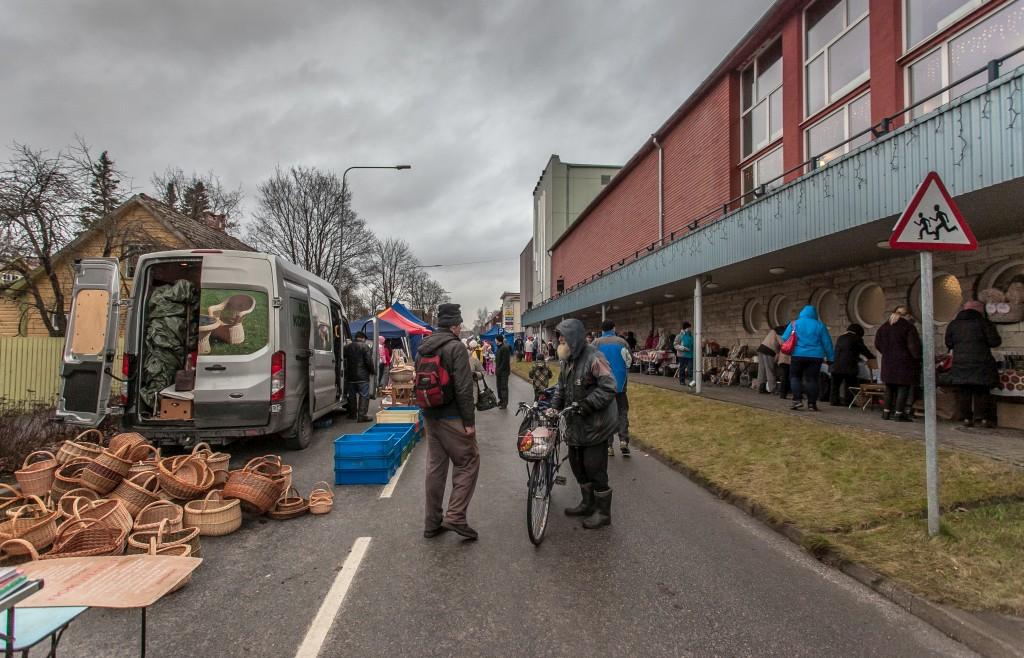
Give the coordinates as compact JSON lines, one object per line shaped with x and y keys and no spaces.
{"x":563,"y":352}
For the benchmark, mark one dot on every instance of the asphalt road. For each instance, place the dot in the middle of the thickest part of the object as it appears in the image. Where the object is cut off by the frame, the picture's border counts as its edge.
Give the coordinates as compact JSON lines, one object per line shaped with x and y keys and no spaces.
{"x":678,"y":573}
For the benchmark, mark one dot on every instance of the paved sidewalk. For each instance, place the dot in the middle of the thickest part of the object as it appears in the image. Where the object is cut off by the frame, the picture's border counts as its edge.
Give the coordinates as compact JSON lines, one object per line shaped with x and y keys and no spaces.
{"x":1001,"y":444}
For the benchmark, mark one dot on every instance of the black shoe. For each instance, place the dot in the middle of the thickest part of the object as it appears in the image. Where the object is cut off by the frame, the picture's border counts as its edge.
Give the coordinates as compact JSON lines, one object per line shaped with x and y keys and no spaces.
{"x":624,"y":449}
{"x":586,"y":506}
{"x":364,"y":419}
{"x":812,"y":407}
{"x":968,"y":422}
{"x":439,"y":530}
{"x":886,"y":414}
{"x":987,"y":424}
{"x":461,"y":529}
{"x":901,"y":418}
{"x":602,"y":515}
{"x":797,"y":406}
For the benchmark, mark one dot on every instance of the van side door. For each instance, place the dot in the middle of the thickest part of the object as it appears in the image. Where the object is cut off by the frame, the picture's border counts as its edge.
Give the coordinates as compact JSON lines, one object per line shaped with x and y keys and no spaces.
{"x":323,"y":389}
{"x":90,"y":343}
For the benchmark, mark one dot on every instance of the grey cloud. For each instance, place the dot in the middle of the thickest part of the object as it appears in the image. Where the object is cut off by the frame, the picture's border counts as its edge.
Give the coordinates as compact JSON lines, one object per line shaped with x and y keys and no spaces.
{"x":475,"y":95}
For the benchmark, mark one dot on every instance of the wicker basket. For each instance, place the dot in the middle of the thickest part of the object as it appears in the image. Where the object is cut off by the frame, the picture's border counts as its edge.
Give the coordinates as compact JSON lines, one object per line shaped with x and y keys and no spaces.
{"x":214,"y":516}
{"x":289,"y":507}
{"x":66,"y":504}
{"x":80,"y":447}
{"x":139,"y":541}
{"x":145,"y":459}
{"x":258,"y":492}
{"x":130,"y":439}
{"x":8,"y":496}
{"x":271,"y":465}
{"x":151,"y":515}
{"x":106,"y":470}
{"x":321,"y":498}
{"x":104,"y":512}
{"x":137,"y":491}
{"x":68,"y":477}
{"x":87,"y":538}
{"x":184,"y":477}
{"x":37,"y":528}
{"x":35,"y":477}
{"x":217,"y":461}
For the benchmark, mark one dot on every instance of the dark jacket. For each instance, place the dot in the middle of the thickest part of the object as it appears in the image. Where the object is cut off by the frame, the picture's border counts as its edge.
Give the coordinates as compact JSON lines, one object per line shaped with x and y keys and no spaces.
{"x":849,"y":348}
{"x":900,"y":345}
{"x":358,"y":362}
{"x":586,"y":378}
{"x":503,"y":361}
{"x":971,"y":337}
{"x":455,"y":360}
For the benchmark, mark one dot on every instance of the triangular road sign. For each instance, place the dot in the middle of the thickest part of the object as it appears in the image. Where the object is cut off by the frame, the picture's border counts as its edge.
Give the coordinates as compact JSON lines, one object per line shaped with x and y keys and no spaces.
{"x":932,"y":222}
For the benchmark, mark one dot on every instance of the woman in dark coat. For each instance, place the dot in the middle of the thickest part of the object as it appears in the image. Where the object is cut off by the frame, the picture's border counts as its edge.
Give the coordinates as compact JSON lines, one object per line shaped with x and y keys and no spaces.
{"x":846,"y":364}
{"x":900,"y":346}
{"x":971,"y":337}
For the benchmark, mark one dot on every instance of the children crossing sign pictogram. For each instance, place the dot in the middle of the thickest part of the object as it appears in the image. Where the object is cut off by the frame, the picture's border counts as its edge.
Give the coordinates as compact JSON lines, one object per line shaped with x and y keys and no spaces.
{"x":932,"y":222}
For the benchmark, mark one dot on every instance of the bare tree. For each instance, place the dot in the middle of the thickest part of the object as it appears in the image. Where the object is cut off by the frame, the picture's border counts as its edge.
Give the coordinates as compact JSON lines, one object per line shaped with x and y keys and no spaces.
{"x":40,"y":203}
{"x":425,"y":294}
{"x":390,"y":272}
{"x":195,"y":193}
{"x":299,"y":217}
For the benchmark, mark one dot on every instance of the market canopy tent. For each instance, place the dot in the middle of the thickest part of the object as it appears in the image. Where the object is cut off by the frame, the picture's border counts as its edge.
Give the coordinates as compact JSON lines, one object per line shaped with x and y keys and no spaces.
{"x":491,"y":334}
{"x":400,"y":308}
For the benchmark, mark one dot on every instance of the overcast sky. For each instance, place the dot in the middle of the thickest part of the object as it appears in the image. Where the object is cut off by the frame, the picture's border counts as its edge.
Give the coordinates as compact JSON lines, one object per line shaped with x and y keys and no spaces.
{"x":475,"y":95}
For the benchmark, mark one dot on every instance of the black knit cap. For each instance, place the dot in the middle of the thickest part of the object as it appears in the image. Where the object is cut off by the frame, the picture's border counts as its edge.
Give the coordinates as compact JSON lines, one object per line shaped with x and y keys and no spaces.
{"x":449,"y":315}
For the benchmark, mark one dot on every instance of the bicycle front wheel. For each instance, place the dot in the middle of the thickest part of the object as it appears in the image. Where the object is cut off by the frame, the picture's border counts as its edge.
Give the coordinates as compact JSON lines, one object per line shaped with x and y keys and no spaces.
{"x":538,"y":501}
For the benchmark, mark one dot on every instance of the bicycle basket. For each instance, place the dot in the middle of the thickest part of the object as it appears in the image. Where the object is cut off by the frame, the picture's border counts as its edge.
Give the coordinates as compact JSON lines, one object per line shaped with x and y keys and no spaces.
{"x":536,"y":444}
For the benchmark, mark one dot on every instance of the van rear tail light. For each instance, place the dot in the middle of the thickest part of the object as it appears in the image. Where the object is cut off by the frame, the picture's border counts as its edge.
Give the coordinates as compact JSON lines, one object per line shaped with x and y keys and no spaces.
{"x":127,"y":367}
{"x":277,"y":377}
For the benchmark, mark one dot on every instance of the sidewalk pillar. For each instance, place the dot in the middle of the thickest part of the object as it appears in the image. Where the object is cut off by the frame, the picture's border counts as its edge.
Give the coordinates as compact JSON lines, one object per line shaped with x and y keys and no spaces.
{"x":604,"y":311}
{"x":698,"y":333}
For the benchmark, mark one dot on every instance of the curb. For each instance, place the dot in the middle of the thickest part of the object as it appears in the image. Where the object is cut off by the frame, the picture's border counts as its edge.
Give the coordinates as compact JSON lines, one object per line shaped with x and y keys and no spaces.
{"x":963,"y":627}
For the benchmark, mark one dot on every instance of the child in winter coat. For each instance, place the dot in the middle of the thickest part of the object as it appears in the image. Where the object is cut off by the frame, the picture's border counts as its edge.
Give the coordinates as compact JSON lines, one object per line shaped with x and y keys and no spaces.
{"x":540,"y":376}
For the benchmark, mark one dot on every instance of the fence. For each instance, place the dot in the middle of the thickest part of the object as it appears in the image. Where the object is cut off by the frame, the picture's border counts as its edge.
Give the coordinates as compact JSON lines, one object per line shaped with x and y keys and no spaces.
{"x":30,"y":372}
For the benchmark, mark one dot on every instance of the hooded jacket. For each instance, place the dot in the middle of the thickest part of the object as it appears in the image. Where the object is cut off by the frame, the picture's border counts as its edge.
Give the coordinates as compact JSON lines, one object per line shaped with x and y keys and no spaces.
{"x":849,"y":348}
{"x":971,"y":337}
{"x":455,"y":360}
{"x":585,"y":378}
{"x":812,"y":339}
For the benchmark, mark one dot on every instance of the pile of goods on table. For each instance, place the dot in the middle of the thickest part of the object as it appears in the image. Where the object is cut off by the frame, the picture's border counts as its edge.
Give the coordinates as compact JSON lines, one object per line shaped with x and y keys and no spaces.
{"x":373,"y":456}
{"x":109,"y":498}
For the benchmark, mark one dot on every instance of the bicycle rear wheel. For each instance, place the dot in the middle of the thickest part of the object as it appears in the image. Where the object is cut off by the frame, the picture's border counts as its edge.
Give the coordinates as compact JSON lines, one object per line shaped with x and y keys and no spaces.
{"x":538,"y":501}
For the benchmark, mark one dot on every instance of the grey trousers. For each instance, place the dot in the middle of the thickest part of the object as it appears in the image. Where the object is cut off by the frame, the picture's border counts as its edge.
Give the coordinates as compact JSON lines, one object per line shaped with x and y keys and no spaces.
{"x":765,"y":372}
{"x":448,"y":443}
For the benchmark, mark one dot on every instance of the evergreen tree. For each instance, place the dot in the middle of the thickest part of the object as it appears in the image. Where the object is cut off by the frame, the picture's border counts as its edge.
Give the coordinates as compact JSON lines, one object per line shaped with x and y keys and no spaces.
{"x":171,"y":195}
{"x":104,"y":191}
{"x":195,"y":201}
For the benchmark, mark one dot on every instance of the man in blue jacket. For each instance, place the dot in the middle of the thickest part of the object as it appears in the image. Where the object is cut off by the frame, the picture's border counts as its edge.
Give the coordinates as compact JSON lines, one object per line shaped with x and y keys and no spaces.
{"x":616,"y":350}
{"x":813,"y":346}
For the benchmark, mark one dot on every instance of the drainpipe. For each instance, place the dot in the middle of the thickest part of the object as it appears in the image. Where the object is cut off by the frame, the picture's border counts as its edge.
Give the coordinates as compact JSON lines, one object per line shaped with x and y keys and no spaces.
{"x":698,"y":332}
{"x":661,"y":188}
{"x":604,"y":313}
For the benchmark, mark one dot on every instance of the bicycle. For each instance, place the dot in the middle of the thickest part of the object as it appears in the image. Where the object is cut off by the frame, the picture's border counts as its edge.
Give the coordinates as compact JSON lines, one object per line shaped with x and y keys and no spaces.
{"x":538,"y":443}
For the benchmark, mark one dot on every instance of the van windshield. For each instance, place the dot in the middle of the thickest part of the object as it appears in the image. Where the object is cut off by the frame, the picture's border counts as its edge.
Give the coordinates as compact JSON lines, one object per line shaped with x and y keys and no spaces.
{"x":233,"y":321}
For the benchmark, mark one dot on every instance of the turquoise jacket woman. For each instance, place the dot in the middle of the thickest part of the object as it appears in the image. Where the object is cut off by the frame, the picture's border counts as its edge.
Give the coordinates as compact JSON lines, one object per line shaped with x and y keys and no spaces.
{"x":812,"y":339}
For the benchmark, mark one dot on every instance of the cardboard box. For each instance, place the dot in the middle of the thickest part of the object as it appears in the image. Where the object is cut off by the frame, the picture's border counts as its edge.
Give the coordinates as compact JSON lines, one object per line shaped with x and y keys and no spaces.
{"x":175,"y":409}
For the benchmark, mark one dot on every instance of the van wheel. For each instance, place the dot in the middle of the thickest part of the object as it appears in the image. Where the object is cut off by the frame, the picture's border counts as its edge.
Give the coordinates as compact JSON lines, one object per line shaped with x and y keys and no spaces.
{"x":302,"y":434}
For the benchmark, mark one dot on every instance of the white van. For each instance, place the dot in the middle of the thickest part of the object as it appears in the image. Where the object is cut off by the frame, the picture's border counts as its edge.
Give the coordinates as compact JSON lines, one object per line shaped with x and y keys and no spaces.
{"x":218,"y":345}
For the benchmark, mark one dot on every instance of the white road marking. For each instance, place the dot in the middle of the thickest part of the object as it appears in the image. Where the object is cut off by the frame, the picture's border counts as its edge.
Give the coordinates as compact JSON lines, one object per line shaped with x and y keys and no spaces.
{"x":390,"y":487}
{"x":321,"y":626}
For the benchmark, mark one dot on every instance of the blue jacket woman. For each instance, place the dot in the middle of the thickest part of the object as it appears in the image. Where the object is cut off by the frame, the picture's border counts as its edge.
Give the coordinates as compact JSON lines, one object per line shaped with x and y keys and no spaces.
{"x":813,"y":345}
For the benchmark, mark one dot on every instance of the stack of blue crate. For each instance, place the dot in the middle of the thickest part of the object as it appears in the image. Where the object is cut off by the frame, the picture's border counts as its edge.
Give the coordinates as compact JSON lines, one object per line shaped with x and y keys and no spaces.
{"x":373,"y":456}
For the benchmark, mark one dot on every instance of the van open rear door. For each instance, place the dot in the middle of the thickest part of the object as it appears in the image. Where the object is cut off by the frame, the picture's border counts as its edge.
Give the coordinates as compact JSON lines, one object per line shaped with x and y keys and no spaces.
{"x":90,"y":343}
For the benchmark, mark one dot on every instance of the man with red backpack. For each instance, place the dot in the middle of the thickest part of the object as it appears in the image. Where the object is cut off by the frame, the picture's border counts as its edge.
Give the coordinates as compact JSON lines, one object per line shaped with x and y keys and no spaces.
{"x":444,"y":390}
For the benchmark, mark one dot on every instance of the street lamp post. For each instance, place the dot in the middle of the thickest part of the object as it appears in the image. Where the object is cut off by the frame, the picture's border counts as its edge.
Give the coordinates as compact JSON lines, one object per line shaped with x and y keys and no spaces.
{"x":344,"y":208}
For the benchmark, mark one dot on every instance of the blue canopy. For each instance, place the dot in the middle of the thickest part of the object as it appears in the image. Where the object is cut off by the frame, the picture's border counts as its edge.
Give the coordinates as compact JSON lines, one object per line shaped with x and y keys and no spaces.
{"x":400,"y":308}
{"x":491,"y":334}
{"x":387,"y":329}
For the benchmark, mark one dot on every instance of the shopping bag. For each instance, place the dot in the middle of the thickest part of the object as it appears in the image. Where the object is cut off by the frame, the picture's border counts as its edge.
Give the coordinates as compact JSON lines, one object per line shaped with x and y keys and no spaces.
{"x":790,"y":344}
{"x":486,"y":399}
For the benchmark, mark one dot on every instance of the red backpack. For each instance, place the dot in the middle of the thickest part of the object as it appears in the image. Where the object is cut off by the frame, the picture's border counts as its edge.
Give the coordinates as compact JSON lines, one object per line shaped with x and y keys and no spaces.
{"x":432,"y":384}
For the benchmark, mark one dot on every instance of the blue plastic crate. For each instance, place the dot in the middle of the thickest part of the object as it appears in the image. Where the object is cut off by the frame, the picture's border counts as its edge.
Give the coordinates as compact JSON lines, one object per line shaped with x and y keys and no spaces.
{"x":377,"y":444}
{"x":384,"y":461}
{"x":405,"y":432}
{"x":364,"y":476}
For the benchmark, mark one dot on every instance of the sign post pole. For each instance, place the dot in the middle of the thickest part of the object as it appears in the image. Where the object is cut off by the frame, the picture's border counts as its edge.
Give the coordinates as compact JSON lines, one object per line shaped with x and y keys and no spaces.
{"x":931,"y":448}
{"x":931,"y":222}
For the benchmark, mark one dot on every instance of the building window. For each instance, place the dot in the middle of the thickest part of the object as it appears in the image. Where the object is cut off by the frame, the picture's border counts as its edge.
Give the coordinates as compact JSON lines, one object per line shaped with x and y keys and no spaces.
{"x":605,"y":179}
{"x":926,"y":17}
{"x":766,"y":171}
{"x":560,"y":284}
{"x":841,"y":125}
{"x":761,"y":99}
{"x":836,"y":42}
{"x":971,"y":49}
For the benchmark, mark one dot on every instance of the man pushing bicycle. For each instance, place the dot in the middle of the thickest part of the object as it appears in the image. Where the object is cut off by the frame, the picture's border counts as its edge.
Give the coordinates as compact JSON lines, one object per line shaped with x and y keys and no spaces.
{"x":586,"y":379}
